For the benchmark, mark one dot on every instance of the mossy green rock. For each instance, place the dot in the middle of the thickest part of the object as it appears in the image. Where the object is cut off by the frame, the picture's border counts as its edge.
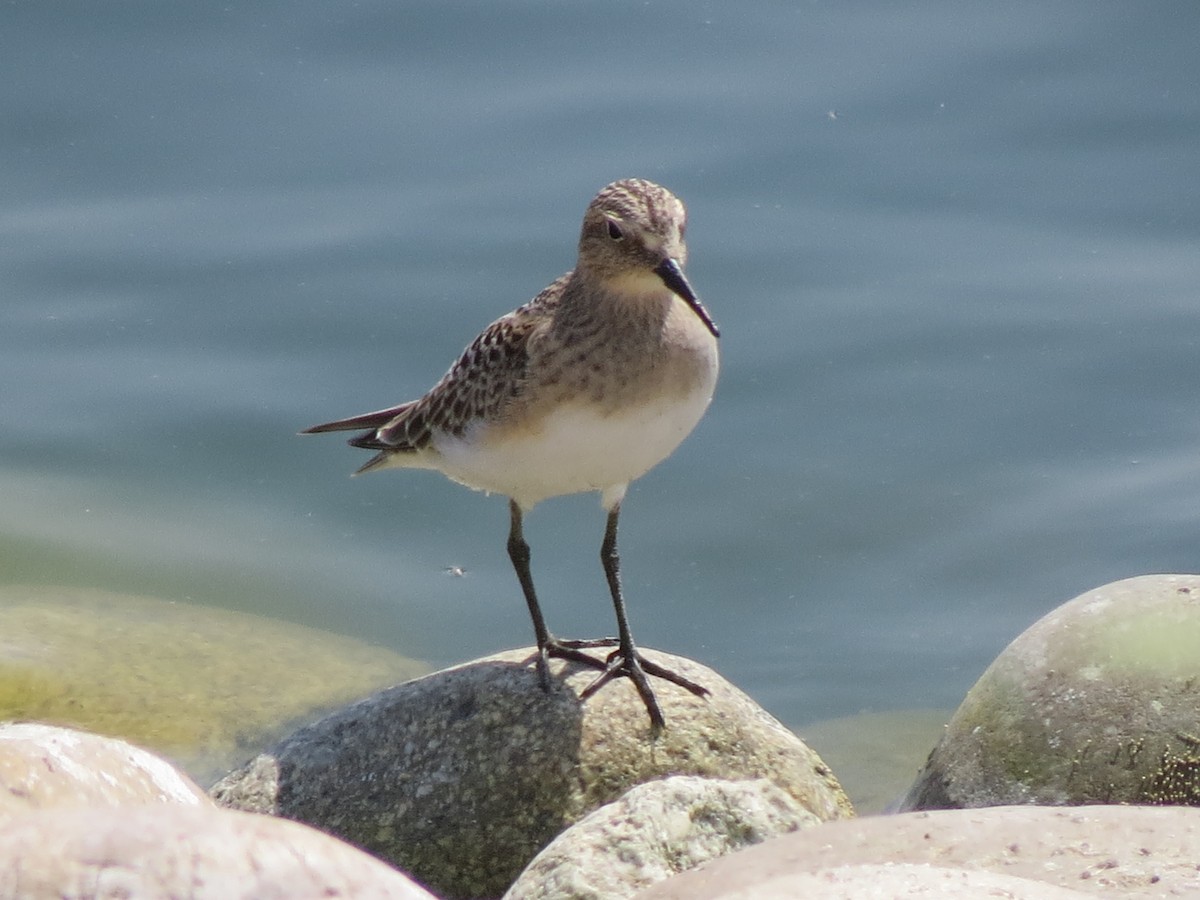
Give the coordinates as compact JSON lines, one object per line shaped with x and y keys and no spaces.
{"x":203,"y":686}
{"x":1098,"y":702}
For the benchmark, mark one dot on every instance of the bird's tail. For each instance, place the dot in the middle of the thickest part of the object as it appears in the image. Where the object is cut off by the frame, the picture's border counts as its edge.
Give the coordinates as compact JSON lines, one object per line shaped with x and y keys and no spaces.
{"x":379,"y":460}
{"x":375,"y":423}
{"x":372,"y":420}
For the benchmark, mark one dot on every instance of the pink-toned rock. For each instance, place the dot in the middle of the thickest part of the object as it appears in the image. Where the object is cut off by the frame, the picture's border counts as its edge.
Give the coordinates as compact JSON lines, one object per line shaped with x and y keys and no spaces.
{"x":43,"y":766}
{"x":1116,"y":851}
{"x":897,"y":880}
{"x":197,"y":852}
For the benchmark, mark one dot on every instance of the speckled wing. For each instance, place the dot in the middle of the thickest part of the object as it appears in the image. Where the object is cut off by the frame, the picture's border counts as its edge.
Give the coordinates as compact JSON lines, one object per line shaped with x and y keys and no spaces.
{"x":479,"y":387}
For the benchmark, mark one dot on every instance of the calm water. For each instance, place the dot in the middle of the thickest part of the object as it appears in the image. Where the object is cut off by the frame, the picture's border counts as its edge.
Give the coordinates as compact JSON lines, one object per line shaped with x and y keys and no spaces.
{"x":954,"y":250}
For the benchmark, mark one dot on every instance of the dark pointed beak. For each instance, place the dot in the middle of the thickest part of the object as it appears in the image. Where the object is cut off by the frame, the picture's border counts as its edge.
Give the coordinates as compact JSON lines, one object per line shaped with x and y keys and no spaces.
{"x":672,"y":276}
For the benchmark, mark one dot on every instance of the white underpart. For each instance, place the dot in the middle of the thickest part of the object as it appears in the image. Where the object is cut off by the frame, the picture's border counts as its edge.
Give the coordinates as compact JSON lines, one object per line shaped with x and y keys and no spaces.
{"x":575,"y":450}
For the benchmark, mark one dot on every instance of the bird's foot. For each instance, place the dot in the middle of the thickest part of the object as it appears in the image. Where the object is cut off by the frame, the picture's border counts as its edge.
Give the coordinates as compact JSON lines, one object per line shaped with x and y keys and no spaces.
{"x":628,"y":663}
{"x":570,"y":650}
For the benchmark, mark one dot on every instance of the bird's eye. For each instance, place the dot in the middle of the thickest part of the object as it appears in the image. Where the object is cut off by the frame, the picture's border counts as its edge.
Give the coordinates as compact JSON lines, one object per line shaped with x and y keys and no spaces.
{"x":614,"y":230}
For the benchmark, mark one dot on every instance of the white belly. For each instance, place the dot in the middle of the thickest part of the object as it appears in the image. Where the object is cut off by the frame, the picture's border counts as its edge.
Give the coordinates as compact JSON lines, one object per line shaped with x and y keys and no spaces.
{"x":572,"y":450}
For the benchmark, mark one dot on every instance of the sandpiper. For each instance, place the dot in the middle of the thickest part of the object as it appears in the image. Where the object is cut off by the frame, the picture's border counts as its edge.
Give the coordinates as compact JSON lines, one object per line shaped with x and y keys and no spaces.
{"x":584,"y":388}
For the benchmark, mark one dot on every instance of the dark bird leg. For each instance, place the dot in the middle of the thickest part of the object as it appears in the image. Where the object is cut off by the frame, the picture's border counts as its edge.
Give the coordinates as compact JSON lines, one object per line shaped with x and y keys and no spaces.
{"x":625,"y":660}
{"x":547,"y":644}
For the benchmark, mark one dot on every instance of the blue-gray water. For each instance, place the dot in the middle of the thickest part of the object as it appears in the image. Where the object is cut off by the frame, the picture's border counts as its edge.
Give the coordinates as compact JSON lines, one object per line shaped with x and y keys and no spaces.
{"x":954,"y":250}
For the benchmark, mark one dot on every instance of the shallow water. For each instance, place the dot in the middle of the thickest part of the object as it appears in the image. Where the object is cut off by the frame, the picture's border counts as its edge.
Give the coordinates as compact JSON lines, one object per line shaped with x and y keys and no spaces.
{"x":953,"y":251}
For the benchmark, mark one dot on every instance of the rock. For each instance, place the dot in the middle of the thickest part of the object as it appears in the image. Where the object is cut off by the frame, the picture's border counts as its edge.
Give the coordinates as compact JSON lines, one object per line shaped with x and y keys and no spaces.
{"x":461,"y":777}
{"x":900,"y":880}
{"x":201,"y":853}
{"x":654,"y":831}
{"x":42,"y":766}
{"x":205,"y":687}
{"x":1098,"y":702}
{"x":1118,"y":851}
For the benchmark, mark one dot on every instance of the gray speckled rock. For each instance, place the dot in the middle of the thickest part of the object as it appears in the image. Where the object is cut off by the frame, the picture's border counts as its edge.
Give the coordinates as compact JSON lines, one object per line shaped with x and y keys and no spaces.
{"x":462,"y":776}
{"x":1098,"y":702}
{"x":201,"y":853}
{"x":654,"y":831}
{"x":42,"y":766}
{"x":1115,"y":851}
